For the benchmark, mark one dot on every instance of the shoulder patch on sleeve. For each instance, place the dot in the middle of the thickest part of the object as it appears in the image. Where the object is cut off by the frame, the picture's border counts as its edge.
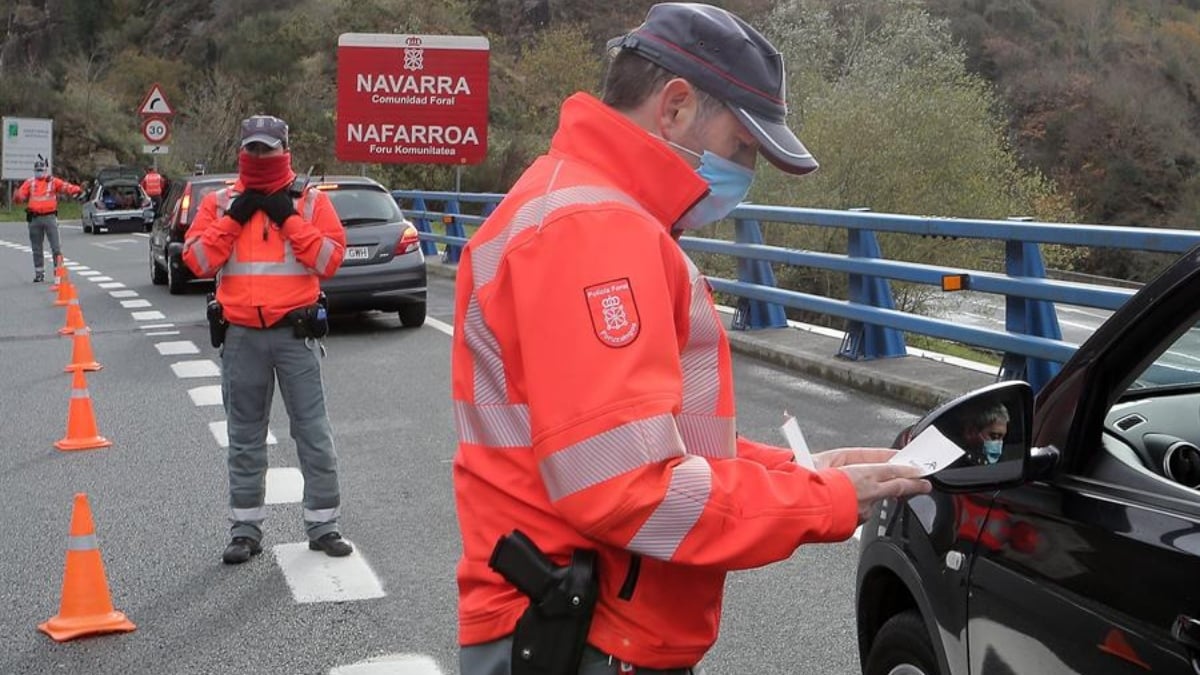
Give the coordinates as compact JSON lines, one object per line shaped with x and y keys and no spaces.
{"x":614,"y":312}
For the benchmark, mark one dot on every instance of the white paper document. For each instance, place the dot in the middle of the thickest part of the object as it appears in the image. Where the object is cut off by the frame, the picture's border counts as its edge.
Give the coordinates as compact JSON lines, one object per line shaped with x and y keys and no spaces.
{"x":930,"y":452}
{"x":795,"y":439}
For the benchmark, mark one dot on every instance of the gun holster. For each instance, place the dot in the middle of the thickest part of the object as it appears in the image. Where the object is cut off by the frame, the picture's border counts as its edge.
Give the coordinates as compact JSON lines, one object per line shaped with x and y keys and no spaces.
{"x":217,"y":325}
{"x":311,"y":321}
{"x":552,"y":633}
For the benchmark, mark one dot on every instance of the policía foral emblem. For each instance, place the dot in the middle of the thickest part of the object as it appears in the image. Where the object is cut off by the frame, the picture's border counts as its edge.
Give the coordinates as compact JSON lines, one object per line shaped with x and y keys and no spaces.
{"x":614,"y":312}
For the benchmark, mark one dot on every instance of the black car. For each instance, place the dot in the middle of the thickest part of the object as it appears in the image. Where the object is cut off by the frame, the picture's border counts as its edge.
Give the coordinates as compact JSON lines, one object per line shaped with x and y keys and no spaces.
{"x":176,"y":216}
{"x":383,"y":268}
{"x":1075,"y":548}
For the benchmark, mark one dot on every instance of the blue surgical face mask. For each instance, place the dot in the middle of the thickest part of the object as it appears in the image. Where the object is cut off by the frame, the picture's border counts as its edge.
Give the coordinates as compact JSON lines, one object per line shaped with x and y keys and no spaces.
{"x":728,"y":185}
{"x":992,"y":449}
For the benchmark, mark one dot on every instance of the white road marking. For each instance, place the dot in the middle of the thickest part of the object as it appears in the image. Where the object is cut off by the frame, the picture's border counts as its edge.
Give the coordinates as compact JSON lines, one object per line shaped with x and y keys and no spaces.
{"x":163,"y":333}
{"x":285,"y":485}
{"x":209,"y":395}
{"x":112,"y":284}
{"x":89,"y":273}
{"x":133,"y":304}
{"x":316,"y":577}
{"x":123,"y":294}
{"x":76,"y":267}
{"x":152,"y":326}
{"x":173,"y":348}
{"x":220,"y":431}
{"x":202,"y":368}
{"x":392,"y":664}
{"x":99,"y":279}
{"x":143,"y":235}
{"x":148,"y":316}
{"x":439,"y":325}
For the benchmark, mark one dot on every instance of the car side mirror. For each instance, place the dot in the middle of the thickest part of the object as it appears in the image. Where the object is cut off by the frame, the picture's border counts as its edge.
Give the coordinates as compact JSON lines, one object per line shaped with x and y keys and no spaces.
{"x":993,"y":428}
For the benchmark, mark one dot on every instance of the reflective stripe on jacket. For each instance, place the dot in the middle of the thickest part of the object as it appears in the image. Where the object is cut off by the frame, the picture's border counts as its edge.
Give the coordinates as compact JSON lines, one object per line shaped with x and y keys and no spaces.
{"x":265,"y":270}
{"x":42,"y":193}
{"x":593,"y":395}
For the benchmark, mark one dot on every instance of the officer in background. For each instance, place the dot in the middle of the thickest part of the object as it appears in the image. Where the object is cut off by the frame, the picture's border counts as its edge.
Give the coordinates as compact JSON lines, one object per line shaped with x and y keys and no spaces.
{"x":592,"y":379}
{"x":152,"y":184}
{"x":41,"y":192}
{"x":271,"y":239}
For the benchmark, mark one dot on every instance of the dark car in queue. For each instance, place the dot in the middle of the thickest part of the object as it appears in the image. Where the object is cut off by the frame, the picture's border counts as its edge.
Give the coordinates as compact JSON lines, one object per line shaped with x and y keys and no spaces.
{"x":116,"y":201}
{"x":166,"y":237}
{"x":384,"y":268}
{"x":1076,"y":549}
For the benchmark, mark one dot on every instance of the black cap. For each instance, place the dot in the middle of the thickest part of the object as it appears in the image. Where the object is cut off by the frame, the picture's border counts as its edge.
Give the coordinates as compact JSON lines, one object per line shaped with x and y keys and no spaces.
{"x":265,"y":129}
{"x":728,"y":59}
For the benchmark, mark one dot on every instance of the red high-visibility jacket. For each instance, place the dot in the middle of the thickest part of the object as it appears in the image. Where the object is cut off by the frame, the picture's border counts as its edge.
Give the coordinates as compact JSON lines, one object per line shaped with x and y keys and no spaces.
{"x":594,"y":402}
{"x":42,"y":193}
{"x":265,"y":270}
{"x":152,"y":183}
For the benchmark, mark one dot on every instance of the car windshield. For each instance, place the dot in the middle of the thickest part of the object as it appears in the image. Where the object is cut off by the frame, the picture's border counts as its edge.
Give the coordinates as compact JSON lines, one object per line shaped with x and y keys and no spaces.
{"x":363,"y":205}
{"x":1178,"y":366}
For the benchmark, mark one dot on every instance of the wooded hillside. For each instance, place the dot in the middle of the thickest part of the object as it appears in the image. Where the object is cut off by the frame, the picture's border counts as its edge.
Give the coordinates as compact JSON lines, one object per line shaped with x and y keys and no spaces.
{"x":1059,"y":109}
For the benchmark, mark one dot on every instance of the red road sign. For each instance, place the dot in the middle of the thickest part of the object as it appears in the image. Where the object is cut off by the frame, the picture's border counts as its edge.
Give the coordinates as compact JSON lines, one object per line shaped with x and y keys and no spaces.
{"x":417,"y":99}
{"x":155,"y":104}
{"x":155,"y":130}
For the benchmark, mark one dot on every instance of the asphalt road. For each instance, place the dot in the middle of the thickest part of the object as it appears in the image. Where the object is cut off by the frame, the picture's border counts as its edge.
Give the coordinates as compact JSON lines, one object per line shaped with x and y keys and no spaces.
{"x":158,"y":494}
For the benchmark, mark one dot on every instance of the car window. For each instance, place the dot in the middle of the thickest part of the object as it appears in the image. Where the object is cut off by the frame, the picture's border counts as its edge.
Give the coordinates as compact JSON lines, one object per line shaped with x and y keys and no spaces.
{"x":363,"y":205}
{"x":1178,"y":365}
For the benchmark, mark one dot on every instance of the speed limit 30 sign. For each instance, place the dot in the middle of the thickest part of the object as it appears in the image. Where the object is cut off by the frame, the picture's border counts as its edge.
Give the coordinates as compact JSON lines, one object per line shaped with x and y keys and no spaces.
{"x":155,"y":129}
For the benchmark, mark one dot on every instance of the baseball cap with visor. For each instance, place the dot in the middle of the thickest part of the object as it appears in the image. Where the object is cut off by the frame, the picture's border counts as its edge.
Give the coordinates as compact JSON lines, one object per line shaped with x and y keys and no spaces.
{"x":729,"y":60}
{"x":265,"y":129}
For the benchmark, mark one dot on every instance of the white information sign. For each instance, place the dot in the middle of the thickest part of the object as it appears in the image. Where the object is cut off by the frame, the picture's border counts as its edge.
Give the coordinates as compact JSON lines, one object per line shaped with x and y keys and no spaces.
{"x":24,"y":139}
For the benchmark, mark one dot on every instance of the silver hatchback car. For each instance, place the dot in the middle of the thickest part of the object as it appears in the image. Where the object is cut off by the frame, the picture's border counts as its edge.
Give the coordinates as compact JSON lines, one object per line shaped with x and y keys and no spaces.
{"x":384,"y":268}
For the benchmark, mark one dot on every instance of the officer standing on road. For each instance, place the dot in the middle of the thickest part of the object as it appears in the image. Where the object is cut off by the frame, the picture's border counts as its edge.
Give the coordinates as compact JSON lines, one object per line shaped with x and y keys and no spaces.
{"x":152,"y":184}
{"x":270,"y":239}
{"x":41,"y":192}
{"x":592,"y":378}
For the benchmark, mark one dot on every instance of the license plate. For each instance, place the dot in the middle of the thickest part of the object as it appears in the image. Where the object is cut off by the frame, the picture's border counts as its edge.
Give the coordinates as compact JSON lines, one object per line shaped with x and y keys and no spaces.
{"x":358,"y":252}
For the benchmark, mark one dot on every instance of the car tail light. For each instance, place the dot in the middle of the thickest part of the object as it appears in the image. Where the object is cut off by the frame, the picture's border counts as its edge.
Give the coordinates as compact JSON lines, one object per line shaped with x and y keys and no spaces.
{"x":185,"y":204}
{"x":410,"y":241}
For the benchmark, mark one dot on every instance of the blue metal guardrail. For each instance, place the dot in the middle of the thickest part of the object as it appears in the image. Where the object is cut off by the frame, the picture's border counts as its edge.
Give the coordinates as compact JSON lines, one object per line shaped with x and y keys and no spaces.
{"x":1031,"y":342}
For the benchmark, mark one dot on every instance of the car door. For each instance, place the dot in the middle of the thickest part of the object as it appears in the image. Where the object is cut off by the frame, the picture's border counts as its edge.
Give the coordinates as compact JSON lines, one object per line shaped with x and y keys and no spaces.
{"x":1094,"y":567}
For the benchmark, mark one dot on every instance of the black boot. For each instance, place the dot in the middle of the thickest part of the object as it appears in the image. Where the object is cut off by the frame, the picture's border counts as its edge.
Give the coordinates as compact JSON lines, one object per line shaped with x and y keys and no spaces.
{"x":38,"y":276}
{"x":240,"y":550}
{"x":332,"y":544}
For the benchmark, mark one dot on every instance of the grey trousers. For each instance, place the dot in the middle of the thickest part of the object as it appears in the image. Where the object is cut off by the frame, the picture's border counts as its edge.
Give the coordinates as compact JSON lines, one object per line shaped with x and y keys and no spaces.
{"x":495,"y":658}
{"x":43,"y":227}
{"x":251,"y":361}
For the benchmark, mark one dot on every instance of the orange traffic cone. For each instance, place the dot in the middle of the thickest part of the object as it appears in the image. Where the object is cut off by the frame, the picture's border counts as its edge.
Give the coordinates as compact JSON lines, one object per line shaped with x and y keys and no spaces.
{"x":66,"y":290}
{"x":81,"y":352}
{"x":74,"y":317}
{"x":86,"y":607}
{"x":81,"y":421}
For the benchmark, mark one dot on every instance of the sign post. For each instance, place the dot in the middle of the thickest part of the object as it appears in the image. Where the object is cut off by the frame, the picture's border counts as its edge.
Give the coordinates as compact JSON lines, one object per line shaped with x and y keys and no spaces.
{"x":156,"y":113}
{"x":419,"y":99}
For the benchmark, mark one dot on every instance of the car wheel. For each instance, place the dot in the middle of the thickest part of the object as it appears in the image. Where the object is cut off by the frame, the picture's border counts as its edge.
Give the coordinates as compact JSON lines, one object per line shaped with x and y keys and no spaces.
{"x":158,"y":276}
{"x":87,"y":229}
{"x":175,"y":280}
{"x":412,"y":315}
{"x":902,"y":647}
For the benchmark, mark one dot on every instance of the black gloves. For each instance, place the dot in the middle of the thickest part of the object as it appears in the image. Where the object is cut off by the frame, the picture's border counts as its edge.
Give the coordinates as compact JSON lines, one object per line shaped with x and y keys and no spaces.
{"x":244,"y":206}
{"x":279,"y":206}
